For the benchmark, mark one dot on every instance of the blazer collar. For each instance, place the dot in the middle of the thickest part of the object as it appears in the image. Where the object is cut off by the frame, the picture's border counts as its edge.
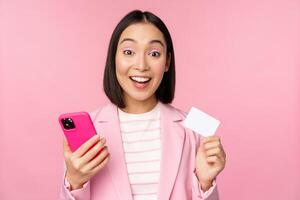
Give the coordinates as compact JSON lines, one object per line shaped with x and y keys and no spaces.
{"x":172,"y":140}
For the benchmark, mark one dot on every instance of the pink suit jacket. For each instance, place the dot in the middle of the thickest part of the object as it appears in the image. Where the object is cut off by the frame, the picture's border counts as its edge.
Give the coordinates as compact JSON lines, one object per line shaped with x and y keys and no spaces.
{"x":177,"y":178}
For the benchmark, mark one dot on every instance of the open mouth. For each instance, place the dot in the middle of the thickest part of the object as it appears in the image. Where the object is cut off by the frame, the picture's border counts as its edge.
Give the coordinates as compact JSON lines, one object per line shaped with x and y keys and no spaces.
{"x":140,"y":79}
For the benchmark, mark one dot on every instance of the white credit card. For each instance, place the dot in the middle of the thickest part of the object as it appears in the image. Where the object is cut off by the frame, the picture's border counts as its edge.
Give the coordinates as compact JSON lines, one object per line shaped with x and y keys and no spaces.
{"x":201,"y":123}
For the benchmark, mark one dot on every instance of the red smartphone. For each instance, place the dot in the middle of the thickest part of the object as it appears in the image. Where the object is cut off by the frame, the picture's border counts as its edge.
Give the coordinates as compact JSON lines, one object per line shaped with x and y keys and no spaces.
{"x":77,"y":127}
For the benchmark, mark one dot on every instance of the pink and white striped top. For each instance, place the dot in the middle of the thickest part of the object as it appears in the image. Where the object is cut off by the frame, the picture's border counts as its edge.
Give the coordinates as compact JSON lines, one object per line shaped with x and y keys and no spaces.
{"x":142,"y":147}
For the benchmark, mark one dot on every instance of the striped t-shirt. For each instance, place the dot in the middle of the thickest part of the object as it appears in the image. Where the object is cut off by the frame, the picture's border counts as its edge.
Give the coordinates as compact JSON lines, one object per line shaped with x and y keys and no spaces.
{"x":142,"y":148}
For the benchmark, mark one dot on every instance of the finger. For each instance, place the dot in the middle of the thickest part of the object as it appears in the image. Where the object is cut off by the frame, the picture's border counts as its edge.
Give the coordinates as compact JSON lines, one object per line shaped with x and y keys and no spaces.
{"x":210,"y":139}
{"x":216,"y":162}
{"x":211,"y":145}
{"x":211,"y":142}
{"x":86,"y":146}
{"x":101,"y":165}
{"x":213,"y":159}
{"x":216,"y":152}
{"x":213,"y":151}
{"x":94,"y":151}
{"x":98,"y":159}
{"x":201,"y":147}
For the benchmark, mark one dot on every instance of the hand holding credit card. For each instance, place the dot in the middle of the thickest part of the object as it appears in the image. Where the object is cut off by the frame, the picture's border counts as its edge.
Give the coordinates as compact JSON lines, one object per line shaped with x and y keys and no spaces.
{"x":201,"y":123}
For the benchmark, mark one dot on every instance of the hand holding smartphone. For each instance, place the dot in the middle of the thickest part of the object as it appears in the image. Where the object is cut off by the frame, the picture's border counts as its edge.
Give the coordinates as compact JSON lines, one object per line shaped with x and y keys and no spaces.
{"x":85,"y":153}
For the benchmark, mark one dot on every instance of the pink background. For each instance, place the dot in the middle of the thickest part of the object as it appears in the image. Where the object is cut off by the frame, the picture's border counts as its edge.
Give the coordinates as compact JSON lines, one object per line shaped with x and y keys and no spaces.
{"x":237,"y":60}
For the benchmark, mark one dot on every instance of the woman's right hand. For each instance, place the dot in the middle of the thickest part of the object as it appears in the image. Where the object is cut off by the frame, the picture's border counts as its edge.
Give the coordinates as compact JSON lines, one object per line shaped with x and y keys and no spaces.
{"x":86,"y":161}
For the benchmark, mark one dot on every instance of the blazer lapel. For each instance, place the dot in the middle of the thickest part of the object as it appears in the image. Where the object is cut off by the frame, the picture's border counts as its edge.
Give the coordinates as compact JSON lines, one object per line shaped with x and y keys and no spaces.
{"x":172,"y":140}
{"x":107,"y":125}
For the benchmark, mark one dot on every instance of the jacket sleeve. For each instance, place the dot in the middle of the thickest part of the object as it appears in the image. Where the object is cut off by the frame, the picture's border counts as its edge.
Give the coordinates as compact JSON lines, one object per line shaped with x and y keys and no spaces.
{"x":198,"y":194}
{"x":83,"y":193}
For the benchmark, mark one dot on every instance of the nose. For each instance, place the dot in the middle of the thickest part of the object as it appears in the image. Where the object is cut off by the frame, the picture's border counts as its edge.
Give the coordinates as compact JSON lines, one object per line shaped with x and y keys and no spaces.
{"x":141,"y":63}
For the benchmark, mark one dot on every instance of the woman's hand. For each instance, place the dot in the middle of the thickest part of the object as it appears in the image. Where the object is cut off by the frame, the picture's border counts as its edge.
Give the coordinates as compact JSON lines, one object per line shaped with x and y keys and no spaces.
{"x":210,"y":161}
{"x":86,"y":161}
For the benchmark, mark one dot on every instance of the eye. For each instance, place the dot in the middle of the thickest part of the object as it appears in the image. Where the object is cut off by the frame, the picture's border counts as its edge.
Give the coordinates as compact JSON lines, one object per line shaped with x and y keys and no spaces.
{"x":128,"y":52}
{"x":154,"y":53}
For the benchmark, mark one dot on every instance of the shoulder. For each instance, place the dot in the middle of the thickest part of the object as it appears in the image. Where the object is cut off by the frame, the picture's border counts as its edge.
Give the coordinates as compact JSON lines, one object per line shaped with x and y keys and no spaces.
{"x":194,"y":137}
{"x":179,"y":111}
{"x":176,"y":113}
{"x":95,"y":113}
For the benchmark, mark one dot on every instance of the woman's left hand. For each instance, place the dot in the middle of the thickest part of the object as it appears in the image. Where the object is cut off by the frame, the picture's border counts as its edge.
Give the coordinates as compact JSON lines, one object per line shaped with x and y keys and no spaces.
{"x":210,"y":161}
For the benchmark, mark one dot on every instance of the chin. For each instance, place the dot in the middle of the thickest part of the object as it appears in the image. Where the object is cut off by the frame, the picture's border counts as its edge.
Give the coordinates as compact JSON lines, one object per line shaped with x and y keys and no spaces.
{"x":140,"y":97}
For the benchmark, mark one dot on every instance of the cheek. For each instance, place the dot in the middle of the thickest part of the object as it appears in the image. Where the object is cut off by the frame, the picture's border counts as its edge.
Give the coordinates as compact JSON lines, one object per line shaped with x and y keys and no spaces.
{"x":159,"y":67}
{"x":121,"y":65}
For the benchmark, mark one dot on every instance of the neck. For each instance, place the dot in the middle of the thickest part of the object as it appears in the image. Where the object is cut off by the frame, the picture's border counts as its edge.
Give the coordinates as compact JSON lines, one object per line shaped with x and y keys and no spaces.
{"x":138,"y":107}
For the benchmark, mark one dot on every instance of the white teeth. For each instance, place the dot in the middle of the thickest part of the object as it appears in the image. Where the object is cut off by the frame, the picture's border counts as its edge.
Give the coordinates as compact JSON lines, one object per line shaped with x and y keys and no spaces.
{"x":140,"y":79}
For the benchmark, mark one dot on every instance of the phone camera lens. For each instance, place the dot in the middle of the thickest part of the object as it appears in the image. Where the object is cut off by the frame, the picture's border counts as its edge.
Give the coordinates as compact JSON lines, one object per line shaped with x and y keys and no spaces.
{"x":68,"y":123}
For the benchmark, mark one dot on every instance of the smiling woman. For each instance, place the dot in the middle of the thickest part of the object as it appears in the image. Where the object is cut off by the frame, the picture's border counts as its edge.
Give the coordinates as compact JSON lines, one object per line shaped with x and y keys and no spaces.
{"x":144,"y":151}
{"x":141,"y":61}
{"x":131,"y":40}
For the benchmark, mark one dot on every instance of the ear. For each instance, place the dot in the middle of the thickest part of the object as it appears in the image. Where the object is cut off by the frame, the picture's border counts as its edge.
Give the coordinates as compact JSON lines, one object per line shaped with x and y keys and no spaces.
{"x":168,"y":62}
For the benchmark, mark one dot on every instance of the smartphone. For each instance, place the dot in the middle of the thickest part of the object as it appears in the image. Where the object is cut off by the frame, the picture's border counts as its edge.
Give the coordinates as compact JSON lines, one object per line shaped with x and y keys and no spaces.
{"x":77,"y":127}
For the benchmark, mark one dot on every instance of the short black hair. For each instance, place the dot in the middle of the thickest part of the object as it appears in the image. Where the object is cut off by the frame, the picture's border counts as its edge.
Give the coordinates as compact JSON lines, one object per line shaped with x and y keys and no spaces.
{"x":165,"y":92}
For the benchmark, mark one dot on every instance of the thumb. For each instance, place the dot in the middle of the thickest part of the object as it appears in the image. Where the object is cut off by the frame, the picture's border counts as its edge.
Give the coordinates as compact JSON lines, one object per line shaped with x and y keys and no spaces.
{"x":67,"y":149}
{"x":201,"y":147}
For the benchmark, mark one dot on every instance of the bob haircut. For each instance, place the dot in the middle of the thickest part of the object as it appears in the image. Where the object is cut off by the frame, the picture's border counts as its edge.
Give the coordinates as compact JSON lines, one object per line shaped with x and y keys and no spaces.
{"x":165,"y":91}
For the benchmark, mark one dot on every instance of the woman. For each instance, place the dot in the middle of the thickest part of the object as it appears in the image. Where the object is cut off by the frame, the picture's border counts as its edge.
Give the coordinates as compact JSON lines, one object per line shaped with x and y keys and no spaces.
{"x":142,"y":150}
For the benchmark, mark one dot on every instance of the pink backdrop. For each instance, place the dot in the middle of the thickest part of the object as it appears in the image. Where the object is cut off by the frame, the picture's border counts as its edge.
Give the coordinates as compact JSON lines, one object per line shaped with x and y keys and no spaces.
{"x":237,"y":60}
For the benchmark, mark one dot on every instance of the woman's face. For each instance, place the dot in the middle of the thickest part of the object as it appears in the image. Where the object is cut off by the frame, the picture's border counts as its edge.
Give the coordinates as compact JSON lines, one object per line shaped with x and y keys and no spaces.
{"x":141,"y":60}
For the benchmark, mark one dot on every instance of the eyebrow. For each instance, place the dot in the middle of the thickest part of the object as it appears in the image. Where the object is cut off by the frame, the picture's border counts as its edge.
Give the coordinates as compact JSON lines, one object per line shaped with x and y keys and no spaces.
{"x":151,"y":42}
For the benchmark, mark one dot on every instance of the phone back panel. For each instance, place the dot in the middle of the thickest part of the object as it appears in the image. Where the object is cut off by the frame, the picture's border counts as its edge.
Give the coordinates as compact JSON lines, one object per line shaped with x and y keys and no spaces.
{"x":83,"y":131}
